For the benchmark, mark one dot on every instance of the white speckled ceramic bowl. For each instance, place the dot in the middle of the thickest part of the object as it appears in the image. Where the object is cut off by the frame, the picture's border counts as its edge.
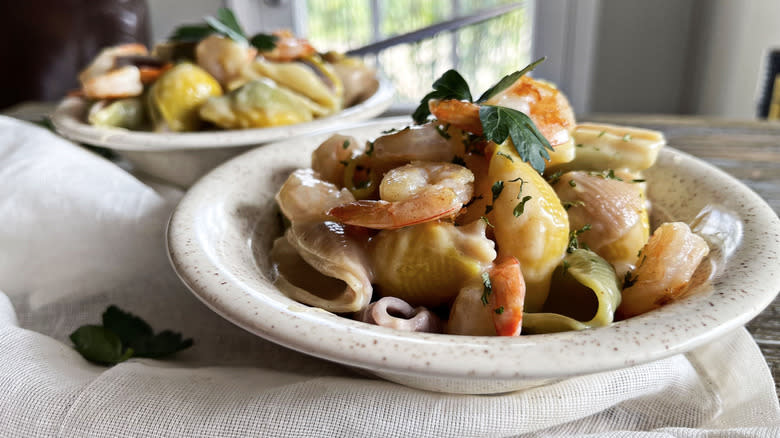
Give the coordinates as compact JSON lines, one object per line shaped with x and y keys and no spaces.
{"x":182,"y":158}
{"x":220,"y":235}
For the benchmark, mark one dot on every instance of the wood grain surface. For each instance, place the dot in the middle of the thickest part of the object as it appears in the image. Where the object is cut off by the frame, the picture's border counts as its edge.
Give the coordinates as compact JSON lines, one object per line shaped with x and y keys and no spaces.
{"x":749,"y":151}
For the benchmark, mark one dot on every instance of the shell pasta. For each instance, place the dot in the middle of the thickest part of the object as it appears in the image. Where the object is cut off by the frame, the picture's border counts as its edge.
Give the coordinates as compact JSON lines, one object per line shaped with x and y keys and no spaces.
{"x":495,"y":216}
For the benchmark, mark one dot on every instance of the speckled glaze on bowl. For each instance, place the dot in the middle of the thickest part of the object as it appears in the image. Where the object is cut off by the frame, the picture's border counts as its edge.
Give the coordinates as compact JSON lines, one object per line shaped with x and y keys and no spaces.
{"x":182,"y":158}
{"x":220,"y":235}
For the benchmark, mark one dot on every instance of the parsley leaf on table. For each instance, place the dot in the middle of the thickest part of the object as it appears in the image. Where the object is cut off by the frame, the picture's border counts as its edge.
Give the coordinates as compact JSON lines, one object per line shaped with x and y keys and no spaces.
{"x":124,"y":335}
{"x":98,"y":344}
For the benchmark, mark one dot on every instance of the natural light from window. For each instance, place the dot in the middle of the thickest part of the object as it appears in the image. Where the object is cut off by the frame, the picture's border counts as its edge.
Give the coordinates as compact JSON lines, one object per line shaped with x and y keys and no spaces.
{"x":482,"y":53}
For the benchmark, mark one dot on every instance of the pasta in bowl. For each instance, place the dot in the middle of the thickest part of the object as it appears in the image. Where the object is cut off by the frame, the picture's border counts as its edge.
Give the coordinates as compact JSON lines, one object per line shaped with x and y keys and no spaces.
{"x":221,"y":235}
{"x":482,"y":233}
{"x":229,"y":244}
{"x":211,"y":92}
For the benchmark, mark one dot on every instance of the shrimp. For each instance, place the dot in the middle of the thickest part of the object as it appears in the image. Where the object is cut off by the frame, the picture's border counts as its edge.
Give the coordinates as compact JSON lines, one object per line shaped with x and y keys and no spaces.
{"x":458,"y":113}
{"x":428,"y":142}
{"x":304,"y":197}
{"x":120,"y":83}
{"x":507,"y":296}
{"x":412,"y":194}
{"x":666,"y":265}
{"x":110,"y":77}
{"x":547,"y":107}
{"x":105,"y":61}
{"x":331,"y":157}
{"x":102,"y":80}
{"x":223,"y":58}
{"x":288,"y":47}
{"x":493,"y":307}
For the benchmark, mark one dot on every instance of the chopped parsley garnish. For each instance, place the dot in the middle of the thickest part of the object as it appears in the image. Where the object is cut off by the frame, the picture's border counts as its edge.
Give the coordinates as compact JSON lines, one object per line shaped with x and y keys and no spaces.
{"x":520,"y":207}
{"x":487,"y":288}
{"x":573,"y":242}
{"x":572,"y":183}
{"x":225,"y":24}
{"x":568,"y":204}
{"x":554,"y":178}
{"x":484,"y":218}
{"x":390,"y":131}
{"x":638,"y":180}
{"x":627,"y":137}
{"x":122,"y":336}
{"x":499,"y":310}
{"x":579,"y":145}
{"x":607,"y":174}
{"x":345,"y":145}
{"x":442,"y":130}
{"x":507,"y":156}
{"x":497,"y":188}
{"x":370,"y":148}
{"x":602,"y":133}
{"x":472,"y":200}
{"x":628,"y":281}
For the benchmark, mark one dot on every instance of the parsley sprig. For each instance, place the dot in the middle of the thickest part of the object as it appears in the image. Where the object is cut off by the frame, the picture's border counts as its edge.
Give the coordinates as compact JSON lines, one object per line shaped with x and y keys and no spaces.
{"x":122,"y":336}
{"x":498,"y":122}
{"x":226,"y":24}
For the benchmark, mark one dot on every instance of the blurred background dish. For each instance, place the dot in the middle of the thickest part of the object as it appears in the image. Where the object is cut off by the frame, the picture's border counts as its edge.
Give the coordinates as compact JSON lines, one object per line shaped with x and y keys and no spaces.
{"x":181,"y":158}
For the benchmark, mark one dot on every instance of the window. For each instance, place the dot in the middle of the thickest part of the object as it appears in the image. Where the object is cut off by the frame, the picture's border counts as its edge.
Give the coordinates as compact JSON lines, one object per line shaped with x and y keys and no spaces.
{"x":479,"y":52}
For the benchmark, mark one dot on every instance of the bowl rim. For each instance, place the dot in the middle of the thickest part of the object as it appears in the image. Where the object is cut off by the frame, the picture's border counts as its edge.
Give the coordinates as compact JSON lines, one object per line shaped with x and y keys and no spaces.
{"x":673,"y":329}
{"x":68,"y":120}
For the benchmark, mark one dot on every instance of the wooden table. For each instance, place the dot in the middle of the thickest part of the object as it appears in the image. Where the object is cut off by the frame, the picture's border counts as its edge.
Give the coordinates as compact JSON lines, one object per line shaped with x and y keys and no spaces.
{"x":749,"y":151}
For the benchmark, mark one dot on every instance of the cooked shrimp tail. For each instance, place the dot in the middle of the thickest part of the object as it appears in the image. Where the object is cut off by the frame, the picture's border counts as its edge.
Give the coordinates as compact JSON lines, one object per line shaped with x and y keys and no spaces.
{"x":507,"y":296}
{"x":388,"y":215}
{"x":413,"y":194}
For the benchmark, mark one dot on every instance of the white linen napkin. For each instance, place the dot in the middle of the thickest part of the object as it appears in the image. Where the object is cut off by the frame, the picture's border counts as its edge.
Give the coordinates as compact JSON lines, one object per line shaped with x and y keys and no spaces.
{"x":77,"y":233}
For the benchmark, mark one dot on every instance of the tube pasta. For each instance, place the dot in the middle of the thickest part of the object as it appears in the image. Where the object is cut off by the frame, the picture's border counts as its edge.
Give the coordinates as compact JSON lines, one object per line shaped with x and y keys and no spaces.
{"x":604,"y":147}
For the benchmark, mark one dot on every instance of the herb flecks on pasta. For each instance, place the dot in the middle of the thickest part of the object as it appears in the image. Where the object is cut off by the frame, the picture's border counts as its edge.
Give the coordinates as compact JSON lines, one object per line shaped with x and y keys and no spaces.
{"x":453,"y":217}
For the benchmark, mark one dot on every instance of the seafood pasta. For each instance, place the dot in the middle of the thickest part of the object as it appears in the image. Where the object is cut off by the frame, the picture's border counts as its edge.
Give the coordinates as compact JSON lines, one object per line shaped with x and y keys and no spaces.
{"x":212,"y":76}
{"x":491,"y":216}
